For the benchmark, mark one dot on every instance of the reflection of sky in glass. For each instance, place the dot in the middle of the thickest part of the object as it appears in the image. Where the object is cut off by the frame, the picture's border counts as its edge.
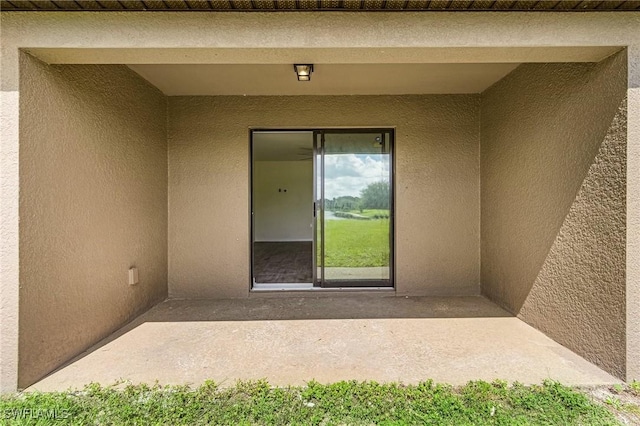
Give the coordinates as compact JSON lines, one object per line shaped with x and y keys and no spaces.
{"x":348,"y":174}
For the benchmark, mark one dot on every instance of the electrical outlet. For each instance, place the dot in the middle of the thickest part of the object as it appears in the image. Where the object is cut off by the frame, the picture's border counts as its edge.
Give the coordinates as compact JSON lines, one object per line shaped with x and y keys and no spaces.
{"x":133,"y":276}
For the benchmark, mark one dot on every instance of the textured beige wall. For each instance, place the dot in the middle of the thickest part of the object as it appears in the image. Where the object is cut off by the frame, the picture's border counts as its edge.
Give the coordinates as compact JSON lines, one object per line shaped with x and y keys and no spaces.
{"x":437,"y":185}
{"x":9,"y":274}
{"x":93,"y":202}
{"x":553,"y":179}
{"x":633,"y":213}
{"x":288,"y":37}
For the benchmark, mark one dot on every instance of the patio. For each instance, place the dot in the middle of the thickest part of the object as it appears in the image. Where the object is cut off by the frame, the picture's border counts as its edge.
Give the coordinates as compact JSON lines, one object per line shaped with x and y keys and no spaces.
{"x":291,"y":340}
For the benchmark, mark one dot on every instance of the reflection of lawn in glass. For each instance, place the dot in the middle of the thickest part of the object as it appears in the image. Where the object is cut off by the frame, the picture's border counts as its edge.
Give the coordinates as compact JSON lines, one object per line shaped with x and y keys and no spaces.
{"x":356,"y":243}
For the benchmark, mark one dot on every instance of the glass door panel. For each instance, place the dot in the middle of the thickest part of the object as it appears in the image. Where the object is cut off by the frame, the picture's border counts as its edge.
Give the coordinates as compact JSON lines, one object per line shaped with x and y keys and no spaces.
{"x":282,"y":214}
{"x":355,"y":214}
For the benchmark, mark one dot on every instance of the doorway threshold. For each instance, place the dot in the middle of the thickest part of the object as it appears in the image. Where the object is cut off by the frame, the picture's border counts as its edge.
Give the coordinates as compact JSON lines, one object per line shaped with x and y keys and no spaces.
{"x":262,"y":287}
{"x":281,"y":286}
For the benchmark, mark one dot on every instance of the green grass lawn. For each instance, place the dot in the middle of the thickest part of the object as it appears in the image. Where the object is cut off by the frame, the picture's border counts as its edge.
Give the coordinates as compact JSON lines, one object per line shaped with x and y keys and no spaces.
{"x":356,"y":243}
{"x":343,"y":403}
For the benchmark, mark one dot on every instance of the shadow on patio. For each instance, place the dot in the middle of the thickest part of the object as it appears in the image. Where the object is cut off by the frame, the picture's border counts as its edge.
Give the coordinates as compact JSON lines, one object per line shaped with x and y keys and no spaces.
{"x":295,"y":339}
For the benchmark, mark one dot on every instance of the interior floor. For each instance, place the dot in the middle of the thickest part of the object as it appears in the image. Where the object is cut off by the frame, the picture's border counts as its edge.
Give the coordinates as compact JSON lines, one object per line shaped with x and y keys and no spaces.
{"x":292,"y":340}
{"x":283,"y":262}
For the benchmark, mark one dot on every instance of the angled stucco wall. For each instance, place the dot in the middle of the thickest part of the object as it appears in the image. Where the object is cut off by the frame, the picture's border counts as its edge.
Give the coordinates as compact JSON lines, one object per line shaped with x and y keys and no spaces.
{"x":436,"y":182}
{"x":553,"y":185}
{"x":93,"y":202}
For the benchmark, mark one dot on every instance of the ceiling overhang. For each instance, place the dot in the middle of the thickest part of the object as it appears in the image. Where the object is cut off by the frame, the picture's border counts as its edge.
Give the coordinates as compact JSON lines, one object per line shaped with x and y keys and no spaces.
{"x":328,"y":79}
{"x":342,"y":70}
{"x":318,"y":5}
{"x":350,"y":55}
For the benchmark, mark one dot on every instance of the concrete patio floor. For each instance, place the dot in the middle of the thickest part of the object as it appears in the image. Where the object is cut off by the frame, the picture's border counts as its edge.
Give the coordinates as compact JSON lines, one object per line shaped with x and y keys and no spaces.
{"x":291,"y":340}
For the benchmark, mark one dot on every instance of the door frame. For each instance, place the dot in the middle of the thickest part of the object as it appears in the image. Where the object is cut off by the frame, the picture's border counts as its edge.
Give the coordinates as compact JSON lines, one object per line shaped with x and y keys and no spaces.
{"x":391,"y":130}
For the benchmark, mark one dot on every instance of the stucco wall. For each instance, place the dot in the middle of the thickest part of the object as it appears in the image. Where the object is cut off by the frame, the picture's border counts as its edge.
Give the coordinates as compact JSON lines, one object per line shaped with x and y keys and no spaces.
{"x":93,"y":202}
{"x":553,"y":179}
{"x":286,"y":38}
{"x":633,"y":213}
{"x":437,"y":185}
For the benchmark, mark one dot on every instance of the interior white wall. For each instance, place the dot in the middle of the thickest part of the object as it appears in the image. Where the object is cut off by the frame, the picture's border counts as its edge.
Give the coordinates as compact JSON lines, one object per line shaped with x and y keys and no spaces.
{"x":283,"y":200}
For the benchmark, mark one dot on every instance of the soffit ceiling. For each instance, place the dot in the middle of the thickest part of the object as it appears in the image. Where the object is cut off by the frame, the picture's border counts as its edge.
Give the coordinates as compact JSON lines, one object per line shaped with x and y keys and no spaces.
{"x":322,"y":5}
{"x":209,"y":71}
{"x":327,"y":79}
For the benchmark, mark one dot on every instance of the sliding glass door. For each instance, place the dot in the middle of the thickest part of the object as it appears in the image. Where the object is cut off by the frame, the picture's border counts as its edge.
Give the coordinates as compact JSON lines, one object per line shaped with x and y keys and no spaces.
{"x":353,"y":208}
{"x":321,"y":209}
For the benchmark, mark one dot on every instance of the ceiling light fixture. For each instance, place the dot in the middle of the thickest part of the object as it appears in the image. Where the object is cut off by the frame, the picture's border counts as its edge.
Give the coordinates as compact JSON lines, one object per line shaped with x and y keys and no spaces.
{"x":303,"y":71}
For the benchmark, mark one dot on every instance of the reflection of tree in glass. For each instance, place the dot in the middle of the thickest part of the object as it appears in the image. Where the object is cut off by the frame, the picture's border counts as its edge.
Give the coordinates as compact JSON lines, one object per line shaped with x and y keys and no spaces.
{"x":349,"y":174}
{"x":375,"y":196}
